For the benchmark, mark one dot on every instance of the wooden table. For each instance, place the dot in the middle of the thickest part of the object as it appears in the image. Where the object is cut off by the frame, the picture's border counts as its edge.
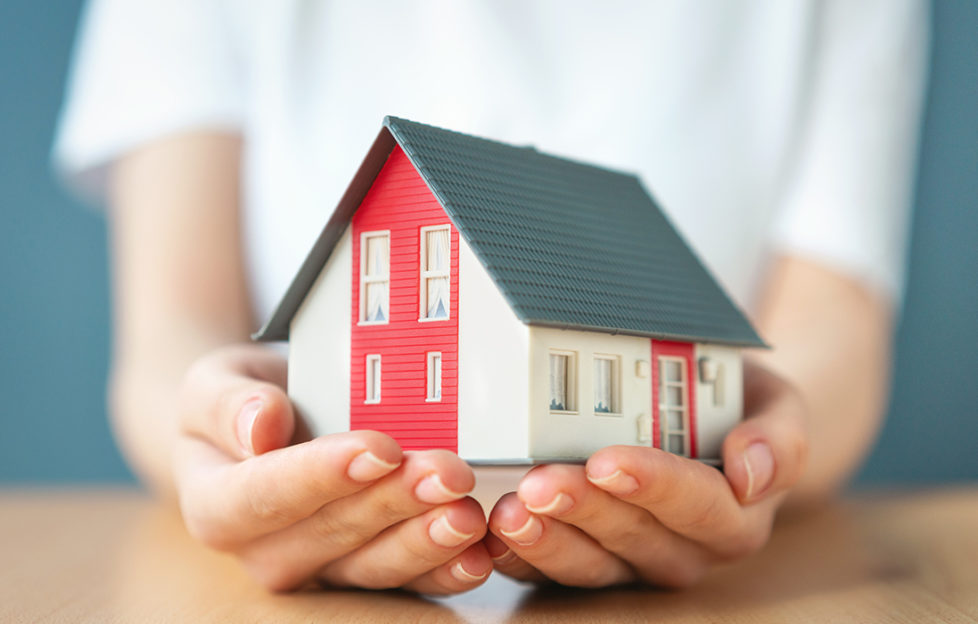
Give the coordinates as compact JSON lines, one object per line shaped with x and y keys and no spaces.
{"x":116,"y":556}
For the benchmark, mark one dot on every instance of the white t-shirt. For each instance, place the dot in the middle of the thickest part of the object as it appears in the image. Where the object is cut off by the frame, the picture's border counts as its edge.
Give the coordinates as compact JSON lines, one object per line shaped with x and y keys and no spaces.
{"x":760,"y":127}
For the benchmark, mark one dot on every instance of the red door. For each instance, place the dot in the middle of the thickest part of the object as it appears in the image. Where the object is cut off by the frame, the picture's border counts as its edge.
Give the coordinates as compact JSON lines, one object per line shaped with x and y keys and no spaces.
{"x":673,"y":399}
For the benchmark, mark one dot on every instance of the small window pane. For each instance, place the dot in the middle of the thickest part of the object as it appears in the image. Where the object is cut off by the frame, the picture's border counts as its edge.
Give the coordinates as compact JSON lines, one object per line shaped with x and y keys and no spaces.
{"x":437,"y":296}
{"x":674,"y":395}
{"x":437,"y":250}
{"x":673,"y":370}
{"x":434,"y":376}
{"x":674,"y":420}
{"x":376,"y":301}
{"x":603,"y":386}
{"x":373,"y":379}
{"x":437,"y":375}
{"x":558,"y":382}
{"x":377,"y":256}
{"x":676,"y":444}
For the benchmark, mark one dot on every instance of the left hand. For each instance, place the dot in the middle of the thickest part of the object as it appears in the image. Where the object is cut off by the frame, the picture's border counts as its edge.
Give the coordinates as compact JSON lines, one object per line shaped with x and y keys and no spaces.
{"x":637,"y":514}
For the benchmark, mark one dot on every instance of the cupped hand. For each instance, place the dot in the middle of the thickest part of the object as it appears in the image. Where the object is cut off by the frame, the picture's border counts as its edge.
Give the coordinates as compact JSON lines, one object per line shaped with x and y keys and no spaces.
{"x":347,"y":509}
{"x":636,"y":514}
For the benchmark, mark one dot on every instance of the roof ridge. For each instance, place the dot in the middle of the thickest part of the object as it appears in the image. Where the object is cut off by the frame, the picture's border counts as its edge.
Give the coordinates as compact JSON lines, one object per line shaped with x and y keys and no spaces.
{"x":391,"y":121}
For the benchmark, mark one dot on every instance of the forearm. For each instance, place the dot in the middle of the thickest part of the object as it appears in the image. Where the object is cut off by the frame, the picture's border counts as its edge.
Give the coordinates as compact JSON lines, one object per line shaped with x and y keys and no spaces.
{"x":832,"y":339}
{"x":179,"y":284}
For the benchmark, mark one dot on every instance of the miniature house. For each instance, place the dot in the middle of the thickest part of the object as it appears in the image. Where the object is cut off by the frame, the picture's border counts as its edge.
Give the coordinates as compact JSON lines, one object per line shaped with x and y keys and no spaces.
{"x":508,"y":305}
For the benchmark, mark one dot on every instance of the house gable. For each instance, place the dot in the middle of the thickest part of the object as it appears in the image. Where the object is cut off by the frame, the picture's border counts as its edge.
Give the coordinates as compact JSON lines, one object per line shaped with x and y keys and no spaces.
{"x":400,"y":209}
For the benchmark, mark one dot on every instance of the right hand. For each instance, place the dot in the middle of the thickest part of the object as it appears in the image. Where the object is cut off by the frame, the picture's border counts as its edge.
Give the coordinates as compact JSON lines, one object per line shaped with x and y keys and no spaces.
{"x":347,"y":509}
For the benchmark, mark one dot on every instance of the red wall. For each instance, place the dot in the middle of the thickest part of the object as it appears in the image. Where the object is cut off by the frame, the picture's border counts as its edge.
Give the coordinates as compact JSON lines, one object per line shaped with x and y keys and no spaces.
{"x":685,"y":351}
{"x":400,"y":201}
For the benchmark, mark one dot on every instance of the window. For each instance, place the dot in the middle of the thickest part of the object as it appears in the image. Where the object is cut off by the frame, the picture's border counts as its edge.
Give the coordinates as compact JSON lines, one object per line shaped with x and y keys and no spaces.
{"x":373,"y":379}
{"x":563,"y":381}
{"x":435,"y":264}
{"x":606,"y":384}
{"x":673,"y":411}
{"x":374,"y":277}
{"x":434,"y":376}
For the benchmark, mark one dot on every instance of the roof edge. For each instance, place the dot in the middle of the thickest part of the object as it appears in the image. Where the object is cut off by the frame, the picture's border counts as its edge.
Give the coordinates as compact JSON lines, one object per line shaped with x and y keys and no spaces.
{"x":277,"y":327}
{"x":391,"y":121}
{"x":746,"y":344}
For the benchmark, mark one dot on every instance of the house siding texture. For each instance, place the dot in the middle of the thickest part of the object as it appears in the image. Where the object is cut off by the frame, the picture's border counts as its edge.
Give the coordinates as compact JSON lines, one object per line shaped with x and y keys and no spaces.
{"x":400,"y":202}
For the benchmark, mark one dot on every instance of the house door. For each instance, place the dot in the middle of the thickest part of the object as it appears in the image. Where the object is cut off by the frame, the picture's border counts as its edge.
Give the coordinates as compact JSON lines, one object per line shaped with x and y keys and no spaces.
{"x":673,"y":405}
{"x":673,"y":399}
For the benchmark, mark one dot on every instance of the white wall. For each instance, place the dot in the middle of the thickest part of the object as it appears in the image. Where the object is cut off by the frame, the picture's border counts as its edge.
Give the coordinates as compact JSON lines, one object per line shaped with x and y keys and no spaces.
{"x":560,"y":435}
{"x":319,"y":346}
{"x":713,"y":420}
{"x":492,"y":368}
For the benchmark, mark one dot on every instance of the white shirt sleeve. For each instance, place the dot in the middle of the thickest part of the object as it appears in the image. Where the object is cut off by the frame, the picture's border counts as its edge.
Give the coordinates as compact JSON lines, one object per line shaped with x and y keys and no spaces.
{"x":143,"y":70}
{"x":848,"y":199}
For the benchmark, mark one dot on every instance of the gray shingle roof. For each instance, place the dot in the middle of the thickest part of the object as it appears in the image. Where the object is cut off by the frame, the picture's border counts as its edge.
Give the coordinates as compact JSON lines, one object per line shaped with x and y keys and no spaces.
{"x":568,"y":244}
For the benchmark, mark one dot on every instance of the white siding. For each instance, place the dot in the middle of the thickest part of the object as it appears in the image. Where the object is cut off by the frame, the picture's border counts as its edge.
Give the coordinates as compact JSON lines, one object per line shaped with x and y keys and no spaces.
{"x":492,"y":368}
{"x":578,"y":435}
{"x":319,"y":346}
{"x":713,"y":421}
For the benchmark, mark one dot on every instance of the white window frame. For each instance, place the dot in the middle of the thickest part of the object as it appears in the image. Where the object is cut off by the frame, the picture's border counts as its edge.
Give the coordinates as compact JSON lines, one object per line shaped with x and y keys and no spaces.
{"x":374,"y":279}
{"x":616,"y":409}
{"x":372,"y":380}
{"x":426,"y":274}
{"x":683,"y":408}
{"x":570,"y":384}
{"x":433,"y":376}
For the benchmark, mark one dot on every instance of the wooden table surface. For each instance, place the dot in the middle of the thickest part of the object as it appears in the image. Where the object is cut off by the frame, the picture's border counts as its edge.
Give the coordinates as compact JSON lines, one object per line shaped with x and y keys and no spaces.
{"x":116,"y":556}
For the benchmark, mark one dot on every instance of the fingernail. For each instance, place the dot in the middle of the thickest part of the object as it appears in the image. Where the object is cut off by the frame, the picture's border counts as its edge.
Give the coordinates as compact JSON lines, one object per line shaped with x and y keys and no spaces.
{"x":617,"y":482}
{"x":367,"y":467}
{"x":759,"y":463}
{"x":246,"y":422}
{"x":527,"y":534}
{"x":559,"y":505}
{"x":432,"y":490}
{"x":504,"y":558}
{"x":444,"y":534}
{"x":465,"y":576}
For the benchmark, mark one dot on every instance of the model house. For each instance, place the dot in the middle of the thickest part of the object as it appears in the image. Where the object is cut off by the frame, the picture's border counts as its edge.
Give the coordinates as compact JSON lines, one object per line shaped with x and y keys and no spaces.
{"x":508,"y":305}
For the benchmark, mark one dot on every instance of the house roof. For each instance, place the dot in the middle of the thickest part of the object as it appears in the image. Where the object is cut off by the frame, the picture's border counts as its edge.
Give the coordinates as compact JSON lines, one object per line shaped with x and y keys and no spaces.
{"x":568,"y":244}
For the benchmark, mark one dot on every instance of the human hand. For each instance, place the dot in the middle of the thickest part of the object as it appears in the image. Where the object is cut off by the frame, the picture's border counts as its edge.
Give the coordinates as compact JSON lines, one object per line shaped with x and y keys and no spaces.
{"x":635,"y":514}
{"x":347,"y":509}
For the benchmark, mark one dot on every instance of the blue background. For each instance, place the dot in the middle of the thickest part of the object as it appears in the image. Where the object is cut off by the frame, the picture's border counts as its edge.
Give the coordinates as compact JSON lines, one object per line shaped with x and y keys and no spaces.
{"x":54,"y":298}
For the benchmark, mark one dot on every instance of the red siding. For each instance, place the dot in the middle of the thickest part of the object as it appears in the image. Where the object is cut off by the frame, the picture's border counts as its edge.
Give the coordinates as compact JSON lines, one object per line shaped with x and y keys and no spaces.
{"x":685,"y":351}
{"x":400,"y":201}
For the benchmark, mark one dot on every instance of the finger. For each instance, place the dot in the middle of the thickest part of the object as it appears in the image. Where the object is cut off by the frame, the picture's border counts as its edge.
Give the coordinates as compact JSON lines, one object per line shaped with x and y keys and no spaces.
{"x":462,"y":573}
{"x":410,"y":549}
{"x":658,"y":555}
{"x":561,"y":552}
{"x":286,"y":558}
{"x":686,"y":496}
{"x":506,"y":561}
{"x":227,"y":503}
{"x":766,"y":454}
{"x":235,"y":399}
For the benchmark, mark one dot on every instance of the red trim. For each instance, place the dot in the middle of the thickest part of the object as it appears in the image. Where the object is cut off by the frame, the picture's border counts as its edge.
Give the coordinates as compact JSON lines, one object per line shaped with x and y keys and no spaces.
{"x":399,"y":201}
{"x":674,"y":349}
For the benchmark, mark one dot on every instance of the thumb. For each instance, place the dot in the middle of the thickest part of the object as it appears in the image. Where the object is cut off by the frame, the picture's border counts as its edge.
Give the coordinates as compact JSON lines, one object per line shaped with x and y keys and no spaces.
{"x":228,"y":400}
{"x":766,"y":453}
